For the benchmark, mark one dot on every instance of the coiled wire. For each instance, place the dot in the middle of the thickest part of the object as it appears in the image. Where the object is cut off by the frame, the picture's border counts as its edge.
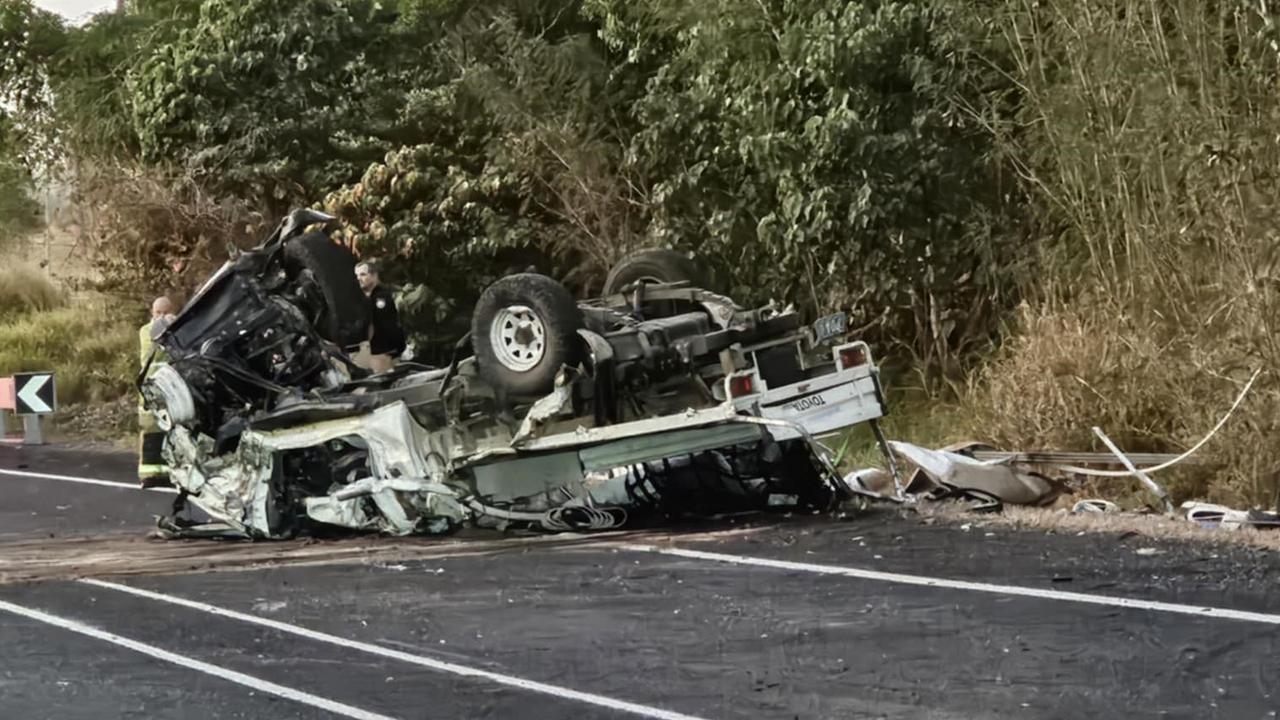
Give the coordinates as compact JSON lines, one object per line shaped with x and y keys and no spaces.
{"x":559,"y":519}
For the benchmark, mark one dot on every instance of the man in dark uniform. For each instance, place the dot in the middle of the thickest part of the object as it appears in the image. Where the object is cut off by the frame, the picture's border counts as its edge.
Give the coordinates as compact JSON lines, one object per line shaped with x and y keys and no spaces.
{"x":386,"y":337}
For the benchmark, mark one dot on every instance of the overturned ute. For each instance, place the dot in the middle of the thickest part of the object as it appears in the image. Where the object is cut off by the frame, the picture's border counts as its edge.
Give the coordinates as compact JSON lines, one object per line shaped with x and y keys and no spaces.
{"x":659,"y":400}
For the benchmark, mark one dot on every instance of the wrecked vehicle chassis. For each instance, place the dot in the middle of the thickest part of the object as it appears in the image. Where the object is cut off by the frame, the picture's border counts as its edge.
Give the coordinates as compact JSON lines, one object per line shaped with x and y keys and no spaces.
{"x":659,"y":400}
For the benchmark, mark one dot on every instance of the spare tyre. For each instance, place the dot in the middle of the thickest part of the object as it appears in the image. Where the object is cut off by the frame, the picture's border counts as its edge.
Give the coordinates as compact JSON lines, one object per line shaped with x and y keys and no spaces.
{"x":326,"y":272}
{"x":523,"y":329}
{"x":653,"y":266}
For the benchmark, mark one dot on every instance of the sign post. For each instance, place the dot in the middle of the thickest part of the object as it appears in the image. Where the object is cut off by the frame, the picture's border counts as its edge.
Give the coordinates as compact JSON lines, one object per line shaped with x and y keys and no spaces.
{"x":7,"y":403}
{"x":35,"y":396}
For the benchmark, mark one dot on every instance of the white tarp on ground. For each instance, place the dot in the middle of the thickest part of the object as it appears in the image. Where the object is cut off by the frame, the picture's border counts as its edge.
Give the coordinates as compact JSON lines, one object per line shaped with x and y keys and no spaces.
{"x":997,"y":478}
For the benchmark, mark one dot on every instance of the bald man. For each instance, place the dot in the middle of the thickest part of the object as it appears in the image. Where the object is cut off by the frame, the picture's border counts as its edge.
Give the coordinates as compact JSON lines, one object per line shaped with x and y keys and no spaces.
{"x":161,"y":307}
{"x":152,"y":471}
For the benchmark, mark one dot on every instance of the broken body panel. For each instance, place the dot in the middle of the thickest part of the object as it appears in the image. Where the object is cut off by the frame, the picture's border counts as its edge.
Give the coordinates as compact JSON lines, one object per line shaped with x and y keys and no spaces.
{"x":421,"y":480}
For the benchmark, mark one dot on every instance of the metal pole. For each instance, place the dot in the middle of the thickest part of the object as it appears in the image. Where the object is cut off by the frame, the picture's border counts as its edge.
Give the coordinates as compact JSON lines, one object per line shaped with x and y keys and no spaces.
{"x":33,"y":433}
{"x":898,"y":489}
{"x":1152,"y":485}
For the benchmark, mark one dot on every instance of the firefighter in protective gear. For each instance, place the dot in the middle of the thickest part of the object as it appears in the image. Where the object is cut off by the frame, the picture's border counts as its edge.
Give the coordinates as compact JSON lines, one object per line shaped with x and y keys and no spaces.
{"x":152,"y":471}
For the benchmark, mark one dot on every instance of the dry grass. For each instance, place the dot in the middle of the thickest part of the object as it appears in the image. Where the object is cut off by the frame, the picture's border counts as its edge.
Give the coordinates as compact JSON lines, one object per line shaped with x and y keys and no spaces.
{"x":88,"y":342}
{"x":1066,"y":371}
{"x":913,"y":417}
{"x":1146,"y":135}
{"x":90,"y":345}
{"x":24,"y":289}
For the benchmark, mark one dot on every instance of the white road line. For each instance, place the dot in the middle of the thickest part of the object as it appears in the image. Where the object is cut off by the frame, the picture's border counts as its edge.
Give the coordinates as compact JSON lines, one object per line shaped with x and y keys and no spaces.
{"x":248,"y":681}
{"x":419,"y":660}
{"x":85,"y":481}
{"x":926,"y":581}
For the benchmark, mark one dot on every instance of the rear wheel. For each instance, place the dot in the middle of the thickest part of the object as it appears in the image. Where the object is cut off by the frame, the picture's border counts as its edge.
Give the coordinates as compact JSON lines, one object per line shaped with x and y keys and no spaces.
{"x":653,"y":266}
{"x":524,"y":328}
{"x":326,"y":273}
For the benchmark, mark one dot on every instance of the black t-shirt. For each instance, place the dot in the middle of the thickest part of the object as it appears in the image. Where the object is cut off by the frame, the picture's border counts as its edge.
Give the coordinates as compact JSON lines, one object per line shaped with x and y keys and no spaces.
{"x":388,"y":336}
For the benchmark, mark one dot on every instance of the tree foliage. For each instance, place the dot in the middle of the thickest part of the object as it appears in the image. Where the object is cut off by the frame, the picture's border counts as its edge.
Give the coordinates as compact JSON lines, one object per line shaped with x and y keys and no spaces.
{"x":18,"y":210}
{"x":811,"y":150}
{"x":274,"y":99}
{"x":508,"y":162}
{"x":30,"y":40}
{"x":816,"y":151}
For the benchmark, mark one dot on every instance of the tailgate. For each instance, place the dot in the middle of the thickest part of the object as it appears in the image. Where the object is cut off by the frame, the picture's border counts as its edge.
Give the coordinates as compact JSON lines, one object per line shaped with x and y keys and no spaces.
{"x":826,"y":404}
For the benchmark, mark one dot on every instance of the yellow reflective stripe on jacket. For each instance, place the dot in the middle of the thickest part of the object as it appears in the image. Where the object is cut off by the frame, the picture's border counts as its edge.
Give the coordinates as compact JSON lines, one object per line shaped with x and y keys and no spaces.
{"x":144,"y":349}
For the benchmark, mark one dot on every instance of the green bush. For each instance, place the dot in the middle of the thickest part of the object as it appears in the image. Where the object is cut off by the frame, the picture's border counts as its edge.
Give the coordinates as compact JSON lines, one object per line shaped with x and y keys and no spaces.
{"x":818,"y":151}
{"x":812,"y":152}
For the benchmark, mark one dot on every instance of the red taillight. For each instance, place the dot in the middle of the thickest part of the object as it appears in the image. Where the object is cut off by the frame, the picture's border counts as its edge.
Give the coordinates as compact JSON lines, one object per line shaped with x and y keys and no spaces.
{"x":741,"y":385}
{"x":852,"y":357}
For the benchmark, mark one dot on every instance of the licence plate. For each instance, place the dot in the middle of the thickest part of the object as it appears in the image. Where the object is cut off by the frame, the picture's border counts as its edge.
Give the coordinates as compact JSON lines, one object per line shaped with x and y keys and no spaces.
{"x":830,"y":327}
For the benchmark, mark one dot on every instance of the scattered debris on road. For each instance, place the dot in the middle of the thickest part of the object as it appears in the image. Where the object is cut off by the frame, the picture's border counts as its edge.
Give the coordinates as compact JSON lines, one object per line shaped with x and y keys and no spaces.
{"x":1095,"y":506}
{"x":1208,"y":515}
{"x":984,"y":479}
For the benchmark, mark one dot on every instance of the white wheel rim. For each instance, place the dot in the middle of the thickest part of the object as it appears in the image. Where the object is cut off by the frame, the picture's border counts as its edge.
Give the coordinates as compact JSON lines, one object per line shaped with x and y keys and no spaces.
{"x":518,"y":338}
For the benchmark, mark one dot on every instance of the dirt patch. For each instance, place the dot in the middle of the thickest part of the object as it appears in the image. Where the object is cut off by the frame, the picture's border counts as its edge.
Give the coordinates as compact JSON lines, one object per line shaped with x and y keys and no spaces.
{"x":130,"y":554}
{"x":1157,"y":527}
{"x":111,"y":424}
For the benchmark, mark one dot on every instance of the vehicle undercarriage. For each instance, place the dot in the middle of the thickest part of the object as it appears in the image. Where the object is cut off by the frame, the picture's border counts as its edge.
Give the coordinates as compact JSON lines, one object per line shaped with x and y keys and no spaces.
{"x":658,"y":400}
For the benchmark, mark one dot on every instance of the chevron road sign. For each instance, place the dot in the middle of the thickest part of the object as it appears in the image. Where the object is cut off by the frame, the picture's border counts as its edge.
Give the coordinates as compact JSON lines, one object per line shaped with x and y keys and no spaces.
{"x":34,"y":393}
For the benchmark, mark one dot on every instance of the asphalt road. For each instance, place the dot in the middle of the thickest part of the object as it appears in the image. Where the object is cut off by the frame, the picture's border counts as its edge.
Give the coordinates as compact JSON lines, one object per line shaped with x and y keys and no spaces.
{"x":877,"y":616}
{"x":36,"y":502}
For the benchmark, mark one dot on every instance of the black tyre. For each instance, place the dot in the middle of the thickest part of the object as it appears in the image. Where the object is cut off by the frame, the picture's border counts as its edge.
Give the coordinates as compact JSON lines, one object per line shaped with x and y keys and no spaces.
{"x":655,"y":266}
{"x":327,"y":272}
{"x":524,"y":328}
